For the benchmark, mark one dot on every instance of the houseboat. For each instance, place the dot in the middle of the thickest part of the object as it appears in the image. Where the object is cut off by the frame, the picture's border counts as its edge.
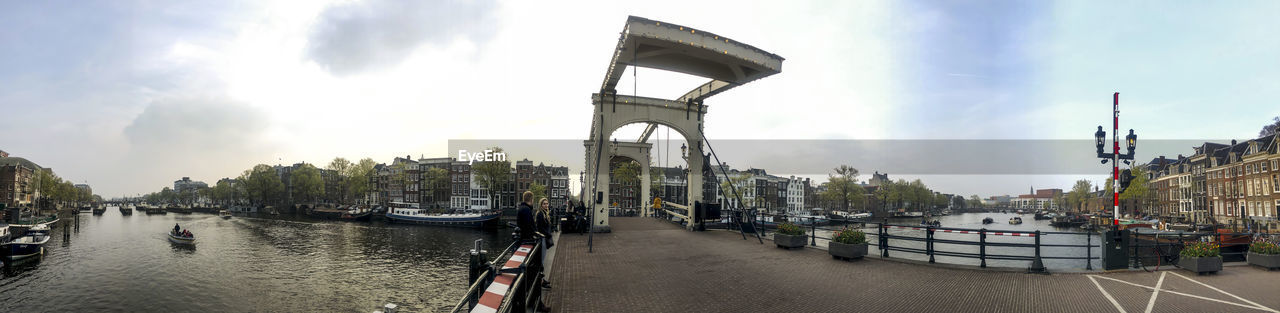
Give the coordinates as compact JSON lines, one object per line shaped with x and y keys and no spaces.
{"x":125,"y":209}
{"x":99,"y":210}
{"x":410,"y":213}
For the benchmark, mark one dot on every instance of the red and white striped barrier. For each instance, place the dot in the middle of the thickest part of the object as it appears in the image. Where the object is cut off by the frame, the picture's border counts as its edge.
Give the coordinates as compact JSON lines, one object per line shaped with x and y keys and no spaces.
{"x":492,"y":297}
{"x":967,"y":231}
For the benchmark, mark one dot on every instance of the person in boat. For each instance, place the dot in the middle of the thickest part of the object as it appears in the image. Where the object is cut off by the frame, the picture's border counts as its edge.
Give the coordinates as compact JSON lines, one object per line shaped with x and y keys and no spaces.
{"x":176,"y":229}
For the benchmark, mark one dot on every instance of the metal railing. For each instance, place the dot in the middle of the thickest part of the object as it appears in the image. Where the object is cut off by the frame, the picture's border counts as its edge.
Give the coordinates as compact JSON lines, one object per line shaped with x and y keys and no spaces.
{"x":523,"y":290}
{"x":1034,"y":249}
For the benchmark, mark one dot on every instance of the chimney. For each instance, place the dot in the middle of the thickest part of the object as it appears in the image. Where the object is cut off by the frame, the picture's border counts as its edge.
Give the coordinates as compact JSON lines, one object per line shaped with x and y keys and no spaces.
{"x":1179,"y":156}
{"x":1233,"y":142}
{"x":1161,"y":161}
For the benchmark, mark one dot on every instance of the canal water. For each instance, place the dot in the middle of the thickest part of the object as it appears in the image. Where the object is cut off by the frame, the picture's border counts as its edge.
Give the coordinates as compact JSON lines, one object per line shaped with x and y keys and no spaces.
{"x":243,"y":264}
{"x":974,"y":221}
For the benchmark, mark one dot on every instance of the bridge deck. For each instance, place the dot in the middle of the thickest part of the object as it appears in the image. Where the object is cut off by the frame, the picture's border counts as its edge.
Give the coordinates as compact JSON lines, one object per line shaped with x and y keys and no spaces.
{"x":653,"y":266}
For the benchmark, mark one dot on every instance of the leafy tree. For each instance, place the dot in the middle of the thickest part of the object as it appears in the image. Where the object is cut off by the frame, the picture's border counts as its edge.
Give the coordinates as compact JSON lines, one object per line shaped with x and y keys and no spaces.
{"x":843,"y":188}
{"x":343,"y":168}
{"x":1140,"y":189}
{"x":307,"y":183}
{"x":539,"y":191}
{"x":1079,"y":194}
{"x":492,"y":174}
{"x":626,"y":173}
{"x":735,"y":182}
{"x":262,"y":185}
{"x":974,"y":202}
{"x":358,"y":181}
{"x":222,"y":192}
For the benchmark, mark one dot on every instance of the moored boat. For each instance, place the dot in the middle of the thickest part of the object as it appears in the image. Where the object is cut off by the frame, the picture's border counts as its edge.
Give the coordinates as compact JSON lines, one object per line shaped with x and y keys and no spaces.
{"x":457,"y":217}
{"x":99,"y":210}
{"x":125,"y":209}
{"x":27,"y":245}
{"x":357,"y":213}
{"x":226,"y":215}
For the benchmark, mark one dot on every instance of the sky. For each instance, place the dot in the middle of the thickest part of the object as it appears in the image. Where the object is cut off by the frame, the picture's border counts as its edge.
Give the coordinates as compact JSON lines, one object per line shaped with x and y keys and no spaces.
{"x":129,"y":96}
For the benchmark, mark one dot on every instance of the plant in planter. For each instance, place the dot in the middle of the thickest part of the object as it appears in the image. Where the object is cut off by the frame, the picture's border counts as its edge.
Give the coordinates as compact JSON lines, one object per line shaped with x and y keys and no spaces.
{"x":790,"y":236}
{"x":1200,"y":257}
{"x":848,"y":243}
{"x":1264,"y":254}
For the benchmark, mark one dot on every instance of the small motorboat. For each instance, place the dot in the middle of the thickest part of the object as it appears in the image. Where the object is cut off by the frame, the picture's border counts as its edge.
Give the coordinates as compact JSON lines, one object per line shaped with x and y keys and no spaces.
{"x":1015,"y":220}
{"x":224,"y":214}
{"x":179,"y":238}
{"x":933,"y":223}
{"x":29,"y":244}
{"x":988,"y":221}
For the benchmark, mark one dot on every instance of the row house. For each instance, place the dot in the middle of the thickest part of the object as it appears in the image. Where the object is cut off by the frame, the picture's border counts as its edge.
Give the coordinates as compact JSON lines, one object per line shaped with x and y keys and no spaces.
{"x":435,"y":195}
{"x":17,"y":181}
{"x":1242,"y":184}
{"x":554,"y":178}
{"x":1172,"y":184}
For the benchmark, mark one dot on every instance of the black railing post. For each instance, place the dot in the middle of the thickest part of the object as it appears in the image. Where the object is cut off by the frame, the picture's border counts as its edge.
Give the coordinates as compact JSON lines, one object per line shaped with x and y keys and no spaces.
{"x":928,"y":242}
{"x":813,"y":232}
{"x":1088,"y":251}
{"x":982,"y":247}
{"x":1037,"y":265}
{"x":884,"y":241}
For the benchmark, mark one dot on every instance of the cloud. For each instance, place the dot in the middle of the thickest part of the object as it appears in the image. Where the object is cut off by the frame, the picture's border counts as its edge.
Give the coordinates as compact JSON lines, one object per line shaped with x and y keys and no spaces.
{"x":201,"y":137}
{"x":355,"y":37}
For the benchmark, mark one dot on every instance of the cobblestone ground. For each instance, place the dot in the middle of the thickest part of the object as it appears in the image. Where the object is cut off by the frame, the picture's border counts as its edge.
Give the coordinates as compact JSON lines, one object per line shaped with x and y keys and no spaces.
{"x":648,"y":265}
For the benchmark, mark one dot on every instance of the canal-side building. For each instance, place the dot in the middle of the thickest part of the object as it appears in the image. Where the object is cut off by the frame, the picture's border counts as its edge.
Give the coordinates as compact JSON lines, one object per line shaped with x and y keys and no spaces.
{"x":1038,"y":199}
{"x":1227,"y":174}
{"x":17,"y":181}
{"x":1260,"y":210}
{"x":1199,"y":182}
{"x":435,"y":195}
{"x":460,"y":184}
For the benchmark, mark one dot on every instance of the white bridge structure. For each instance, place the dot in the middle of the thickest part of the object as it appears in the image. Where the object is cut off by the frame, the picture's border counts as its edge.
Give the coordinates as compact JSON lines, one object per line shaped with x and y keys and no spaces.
{"x":670,"y":47}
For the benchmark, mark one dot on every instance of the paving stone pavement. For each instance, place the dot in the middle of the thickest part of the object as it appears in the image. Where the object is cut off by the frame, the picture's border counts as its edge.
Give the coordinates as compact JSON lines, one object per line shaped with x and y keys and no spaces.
{"x":648,"y":265}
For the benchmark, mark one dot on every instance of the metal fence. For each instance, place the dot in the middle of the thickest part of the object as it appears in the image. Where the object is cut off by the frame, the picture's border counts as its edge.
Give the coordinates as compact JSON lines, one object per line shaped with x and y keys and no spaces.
{"x":524,"y":292}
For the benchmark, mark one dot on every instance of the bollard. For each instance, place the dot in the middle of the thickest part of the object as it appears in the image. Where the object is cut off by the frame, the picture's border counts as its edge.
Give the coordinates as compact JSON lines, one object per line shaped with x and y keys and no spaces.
{"x":982,"y":247}
{"x":884,"y":242}
{"x":813,"y":232}
{"x":1088,"y":251}
{"x":479,"y":263}
{"x":928,"y":242}
{"x":1037,"y":265}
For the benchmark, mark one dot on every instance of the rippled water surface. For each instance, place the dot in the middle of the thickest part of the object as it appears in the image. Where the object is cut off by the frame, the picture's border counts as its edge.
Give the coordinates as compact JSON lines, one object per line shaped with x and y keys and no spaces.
{"x":244,"y":264}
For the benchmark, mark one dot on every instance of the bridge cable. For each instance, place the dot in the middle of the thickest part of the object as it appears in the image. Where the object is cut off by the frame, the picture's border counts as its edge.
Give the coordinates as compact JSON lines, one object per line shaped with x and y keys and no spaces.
{"x":736,"y":194}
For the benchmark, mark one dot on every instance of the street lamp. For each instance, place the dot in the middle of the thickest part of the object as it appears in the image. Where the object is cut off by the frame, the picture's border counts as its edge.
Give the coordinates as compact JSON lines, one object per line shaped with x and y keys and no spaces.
{"x":684,"y":152}
{"x":1131,"y":140}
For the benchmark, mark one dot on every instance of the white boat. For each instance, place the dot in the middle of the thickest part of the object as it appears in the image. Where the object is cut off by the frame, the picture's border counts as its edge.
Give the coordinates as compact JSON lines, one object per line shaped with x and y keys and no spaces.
{"x":1015,"y":220}
{"x":180,"y":239}
{"x":224,"y":214}
{"x":28,"y":245}
{"x":410,"y":213}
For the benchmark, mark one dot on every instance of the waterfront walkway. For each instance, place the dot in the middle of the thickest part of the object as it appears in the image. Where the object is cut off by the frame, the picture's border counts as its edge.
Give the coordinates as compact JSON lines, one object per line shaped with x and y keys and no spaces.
{"x":648,"y":265}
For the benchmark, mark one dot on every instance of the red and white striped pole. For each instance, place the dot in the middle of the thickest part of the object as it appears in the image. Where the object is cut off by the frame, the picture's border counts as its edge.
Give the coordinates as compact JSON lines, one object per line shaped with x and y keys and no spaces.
{"x":1115,"y":159}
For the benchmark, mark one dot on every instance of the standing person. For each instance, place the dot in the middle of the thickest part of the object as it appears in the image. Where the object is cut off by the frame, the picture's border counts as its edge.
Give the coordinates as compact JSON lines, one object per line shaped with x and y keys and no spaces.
{"x":542,"y":219}
{"x":176,"y":229}
{"x":524,"y":217}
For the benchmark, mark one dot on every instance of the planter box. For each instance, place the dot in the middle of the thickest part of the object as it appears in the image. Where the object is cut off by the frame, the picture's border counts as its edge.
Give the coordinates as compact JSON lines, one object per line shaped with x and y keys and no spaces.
{"x":847,"y":251}
{"x":1268,"y":261}
{"x":1201,"y":265}
{"x":788,"y":241}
